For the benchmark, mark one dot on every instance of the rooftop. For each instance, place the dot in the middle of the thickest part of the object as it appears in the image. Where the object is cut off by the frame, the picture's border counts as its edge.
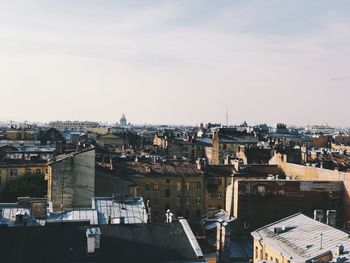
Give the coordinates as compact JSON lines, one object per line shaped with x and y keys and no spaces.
{"x":300,"y":238}
{"x":166,"y":168}
{"x":117,"y":210}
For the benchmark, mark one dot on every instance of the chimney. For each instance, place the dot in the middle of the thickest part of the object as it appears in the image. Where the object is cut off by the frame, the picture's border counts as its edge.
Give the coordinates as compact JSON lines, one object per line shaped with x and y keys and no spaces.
{"x":242,"y":148}
{"x":38,"y":208}
{"x":148,"y":211}
{"x":284,"y":158}
{"x":93,"y":239}
{"x":168,"y":216}
{"x":20,"y":217}
{"x":237,"y":164}
{"x":341,"y":250}
{"x":318,"y":215}
{"x":201,"y":164}
{"x":198,"y":162}
{"x":331,"y":217}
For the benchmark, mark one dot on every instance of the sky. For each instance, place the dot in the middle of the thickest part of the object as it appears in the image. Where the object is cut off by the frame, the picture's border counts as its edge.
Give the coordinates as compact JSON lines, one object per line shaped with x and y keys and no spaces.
{"x":176,"y":62}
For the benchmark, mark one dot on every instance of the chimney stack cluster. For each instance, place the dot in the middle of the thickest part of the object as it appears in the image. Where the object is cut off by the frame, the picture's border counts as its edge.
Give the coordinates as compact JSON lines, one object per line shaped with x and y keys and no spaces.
{"x":331,"y":217}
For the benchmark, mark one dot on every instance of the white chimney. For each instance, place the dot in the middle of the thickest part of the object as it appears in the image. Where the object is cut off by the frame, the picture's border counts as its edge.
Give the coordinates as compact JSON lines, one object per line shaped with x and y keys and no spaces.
{"x":93,"y":239}
{"x":168,"y":216}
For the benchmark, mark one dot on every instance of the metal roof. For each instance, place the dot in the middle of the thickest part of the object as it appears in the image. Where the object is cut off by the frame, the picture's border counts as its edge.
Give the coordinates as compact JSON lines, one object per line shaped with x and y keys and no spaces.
{"x":301,"y":239}
{"x":132,"y":211}
{"x":78,"y":215}
{"x":9,"y":212}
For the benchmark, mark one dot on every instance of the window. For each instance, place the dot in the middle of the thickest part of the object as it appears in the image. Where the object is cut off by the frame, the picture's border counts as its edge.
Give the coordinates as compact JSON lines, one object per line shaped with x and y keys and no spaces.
{"x":167,"y":181}
{"x":178,"y":186}
{"x":247,"y":188}
{"x":219,"y":195}
{"x":224,"y":146}
{"x":178,"y":200}
{"x":261,"y":190}
{"x":155,"y":186}
{"x":198,"y":200}
{"x":167,"y":192}
{"x":198,"y":186}
{"x":256,"y":252}
{"x":246,"y":224}
{"x":38,"y":171}
{"x":187,"y":214}
{"x":28,"y":171}
{"x":187,"y":200}
{"x":187,"y":186}
{"x":13,"y":173}
{"x":46,"y":171}
{"x":148,"y":186}
{"x":209,"y":196}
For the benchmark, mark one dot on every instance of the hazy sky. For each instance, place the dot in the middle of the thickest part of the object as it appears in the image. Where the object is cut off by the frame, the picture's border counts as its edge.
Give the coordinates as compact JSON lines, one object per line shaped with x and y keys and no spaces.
{"x":176,"y":61}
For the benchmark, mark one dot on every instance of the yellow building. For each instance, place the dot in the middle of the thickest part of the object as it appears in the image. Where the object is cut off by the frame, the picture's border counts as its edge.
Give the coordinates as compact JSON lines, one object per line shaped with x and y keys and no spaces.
{"x":341,"y":147}
{"x":187,"y":189}
{"x":12,"y":169}
{"x":20,"y":134}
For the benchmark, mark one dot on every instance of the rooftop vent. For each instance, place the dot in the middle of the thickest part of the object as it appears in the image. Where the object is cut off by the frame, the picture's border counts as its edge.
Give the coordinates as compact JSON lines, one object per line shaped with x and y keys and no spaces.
{"x":282,"y":229}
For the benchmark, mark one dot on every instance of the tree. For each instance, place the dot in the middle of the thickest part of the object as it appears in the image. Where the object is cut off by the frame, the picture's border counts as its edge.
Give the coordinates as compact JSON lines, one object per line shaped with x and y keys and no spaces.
{"x":29,"y":185}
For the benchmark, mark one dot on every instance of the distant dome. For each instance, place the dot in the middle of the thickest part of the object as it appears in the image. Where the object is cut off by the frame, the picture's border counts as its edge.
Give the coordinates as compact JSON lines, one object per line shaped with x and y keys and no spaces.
{"x":123,"y":120}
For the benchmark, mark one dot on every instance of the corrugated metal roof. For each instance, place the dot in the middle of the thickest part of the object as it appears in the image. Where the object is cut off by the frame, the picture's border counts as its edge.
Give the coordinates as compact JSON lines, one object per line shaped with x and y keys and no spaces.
{"x":301,"y":240}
